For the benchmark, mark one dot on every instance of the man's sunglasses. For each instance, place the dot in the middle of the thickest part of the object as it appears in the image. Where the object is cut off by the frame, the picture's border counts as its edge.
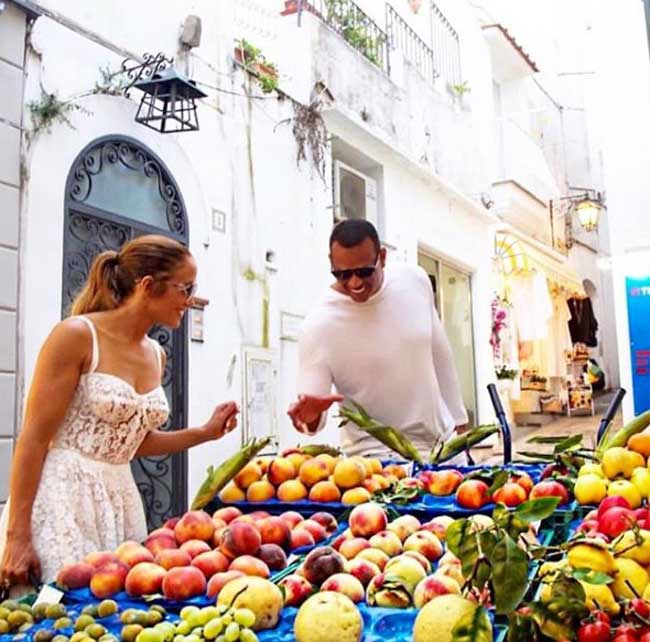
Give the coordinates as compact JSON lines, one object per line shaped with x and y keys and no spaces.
{"x":360,"y":273}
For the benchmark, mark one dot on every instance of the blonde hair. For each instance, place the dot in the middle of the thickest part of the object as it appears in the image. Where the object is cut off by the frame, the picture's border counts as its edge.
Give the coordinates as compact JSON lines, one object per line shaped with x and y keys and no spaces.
{"x":113,"y":275}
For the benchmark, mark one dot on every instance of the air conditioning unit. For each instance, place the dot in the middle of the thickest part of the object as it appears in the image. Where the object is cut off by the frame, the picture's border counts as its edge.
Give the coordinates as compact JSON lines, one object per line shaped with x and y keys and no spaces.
{"x":355,"y":194}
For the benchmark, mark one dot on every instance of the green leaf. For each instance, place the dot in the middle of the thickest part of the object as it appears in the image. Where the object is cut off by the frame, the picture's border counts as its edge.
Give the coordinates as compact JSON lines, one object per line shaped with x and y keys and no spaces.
{"x":499,"y":480}
{"x":509,"y":574}
{"x":590,"y":576}
{"x":567,"y":587}
{"x":559,"y":618}
{"x":537,"y":456}
{"x":509,"y":521}
{"x":522,"y":628}
{"x":474,"y":626}
{"x":536,"y":509}
{"x":547,"y":440}
{"x":567,"y":444}
{"x":463,"y":543}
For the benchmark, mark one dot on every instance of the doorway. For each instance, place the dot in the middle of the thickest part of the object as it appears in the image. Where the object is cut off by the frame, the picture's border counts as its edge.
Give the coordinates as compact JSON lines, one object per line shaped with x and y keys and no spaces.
{"x":452,"y":291}
{"x":117,"y":190}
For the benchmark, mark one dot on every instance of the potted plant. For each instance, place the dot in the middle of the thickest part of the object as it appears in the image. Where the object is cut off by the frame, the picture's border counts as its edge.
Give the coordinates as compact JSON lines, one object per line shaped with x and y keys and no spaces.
{"x":246,"y":53}
{"x":254,"y":61}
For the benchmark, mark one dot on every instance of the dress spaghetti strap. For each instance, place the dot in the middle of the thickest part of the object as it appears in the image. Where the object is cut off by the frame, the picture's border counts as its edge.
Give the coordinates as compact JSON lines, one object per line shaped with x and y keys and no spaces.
{"x":95,"y":357}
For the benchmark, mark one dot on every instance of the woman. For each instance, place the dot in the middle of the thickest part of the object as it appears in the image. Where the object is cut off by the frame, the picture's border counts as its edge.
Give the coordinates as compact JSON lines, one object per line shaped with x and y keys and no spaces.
{"x":96,"y":402}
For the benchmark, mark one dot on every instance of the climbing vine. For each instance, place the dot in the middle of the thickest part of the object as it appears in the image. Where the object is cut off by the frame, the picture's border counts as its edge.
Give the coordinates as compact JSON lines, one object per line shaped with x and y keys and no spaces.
{"x":47,"y":111}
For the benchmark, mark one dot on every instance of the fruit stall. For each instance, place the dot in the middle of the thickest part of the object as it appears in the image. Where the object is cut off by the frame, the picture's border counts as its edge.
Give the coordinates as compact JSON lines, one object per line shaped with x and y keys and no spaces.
{"x":311,"y":546}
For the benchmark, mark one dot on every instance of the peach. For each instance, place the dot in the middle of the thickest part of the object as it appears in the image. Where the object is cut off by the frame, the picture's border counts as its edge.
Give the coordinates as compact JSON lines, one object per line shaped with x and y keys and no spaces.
{"x":263,"y":462}
{"x":145,"y":578}
{"x":296,"y":589}
{"x":280,"y":470}
{"x":161,"y":539}
{"x":473,"y":493}
{"x":232,"y":493}
{"x":292,"y":490}
{"x":367,"y":520}
{"x":247,"y":475}
{"x":326,"y":520}
{"x":227,"y":514}
{"x":357,"y":495}
{"x":171,"y":523}
{"x":292,"y":517}
{"x":240,"y":538}
{"x":324,"y":491}
{"x":404,"y":526}
{"x":438,"y":526}
{"x":394,"y":469}
{"x":382,"y":482}
{"x":346,"y":584}
{"x":219,"y":580}
{"x":349,"y":473}
{"x":511,"y":494}
{"x":350,"y":548}
{"x":425,"y":543}
{"x":297,"y":459}
{"x":387,"y":591}
{"x":273,"y":556}
{"x":135,"y":554}
{"x":195,"y":524}
{"x":431,"y":587}
{"x":524,"y":480}
{"x":365,"y":463}
{"x":211,"y":562}
{"x":313,"y":471}
{"x":444,"y":482}
{"x":74,"y":576}
{"x":407,"y":569}
{"x":363,"y":570}
{"x":182,"y":583}
{"x":195,"y":547}
{"x":375,"y":465}
{"x":345,"y":535}
{"x":328,"y":460}
{"x":371,"y":485}
{"x":318,"y":532}
{"x":260,"y":491}
{"x":125,"y":546}
{"x":108,"y":579}
{"x":216,"y":538}
{"x":424,"y":562}
{"x":258,"y":515}
{"x":275,"y":530}
{"x":374,"y":555}
{"x":388,"y":542}
{"x":250,"y":565}
{"x":98,"y":559}
{"x":171,"y":557}
{"x":321,"y":563}
{"x":243,"y":519}
{"x":301,"y":537}
{"x":218,"y":523}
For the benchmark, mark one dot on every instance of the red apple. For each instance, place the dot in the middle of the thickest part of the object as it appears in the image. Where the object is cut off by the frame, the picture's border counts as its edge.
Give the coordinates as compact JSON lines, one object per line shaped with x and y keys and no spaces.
{"x":610,"y":502}
{"x":615,"y":520}
{"x":550,"y":488}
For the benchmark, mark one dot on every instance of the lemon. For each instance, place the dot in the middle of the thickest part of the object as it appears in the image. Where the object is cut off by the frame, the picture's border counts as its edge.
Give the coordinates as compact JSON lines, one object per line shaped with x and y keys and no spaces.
{"x":328,"y":617}
{"x":632,"y":572}
{"x":436,"y":620}
{"x":590,"y":488}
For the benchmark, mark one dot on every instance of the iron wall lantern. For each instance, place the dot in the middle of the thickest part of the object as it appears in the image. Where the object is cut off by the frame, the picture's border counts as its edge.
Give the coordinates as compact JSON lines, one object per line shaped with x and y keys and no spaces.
{"x":587,"y":207}
{"x":168,"y":102}
{"x":588,"y":212}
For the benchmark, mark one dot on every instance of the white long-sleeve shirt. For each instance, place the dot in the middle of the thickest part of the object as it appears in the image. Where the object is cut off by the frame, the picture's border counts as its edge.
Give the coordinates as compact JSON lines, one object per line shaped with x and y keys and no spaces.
{"x":391,"y":355}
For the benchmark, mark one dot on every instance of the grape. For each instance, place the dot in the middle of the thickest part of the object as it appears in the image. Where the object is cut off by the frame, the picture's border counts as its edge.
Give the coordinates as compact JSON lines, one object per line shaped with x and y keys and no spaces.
{"x":244,"y":617}
{"x":221,"y":638}
{"x":247,"y":635}
{"x":186,"y":611}
{"x":227,"y":618}
{"x":179,"y":638}
{"x":213,"y":628}
{"x":232,"y":632}
{"x":183,"y":627}
{"x":222,"y":608}
{"x":192,"y":638}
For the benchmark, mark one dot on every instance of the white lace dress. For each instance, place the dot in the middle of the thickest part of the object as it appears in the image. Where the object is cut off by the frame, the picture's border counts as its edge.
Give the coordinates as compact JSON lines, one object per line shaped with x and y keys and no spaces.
{"x":87,"y":499}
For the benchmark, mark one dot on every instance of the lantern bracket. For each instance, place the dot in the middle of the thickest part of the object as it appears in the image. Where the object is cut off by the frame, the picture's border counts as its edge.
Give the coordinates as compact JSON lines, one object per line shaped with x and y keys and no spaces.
{"x":151,"y":64}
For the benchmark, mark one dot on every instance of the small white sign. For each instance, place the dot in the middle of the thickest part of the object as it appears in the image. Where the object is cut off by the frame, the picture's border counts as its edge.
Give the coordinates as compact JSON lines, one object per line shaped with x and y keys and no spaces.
{"x":290,"y":326}
{"x":219,"y":221}
{"x":49,"y":595}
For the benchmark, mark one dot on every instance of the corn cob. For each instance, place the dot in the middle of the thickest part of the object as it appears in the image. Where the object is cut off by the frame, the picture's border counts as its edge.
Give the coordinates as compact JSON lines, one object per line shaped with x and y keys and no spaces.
{"x":461,"y":443}
{"x":218,"y":477}
{"x":319,"y":449}
{"x":388,"y":436}
{"x":638,"y":424}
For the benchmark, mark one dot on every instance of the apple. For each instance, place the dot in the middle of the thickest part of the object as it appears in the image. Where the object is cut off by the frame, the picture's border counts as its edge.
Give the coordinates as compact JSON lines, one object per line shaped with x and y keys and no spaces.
{"x":550,"y":488}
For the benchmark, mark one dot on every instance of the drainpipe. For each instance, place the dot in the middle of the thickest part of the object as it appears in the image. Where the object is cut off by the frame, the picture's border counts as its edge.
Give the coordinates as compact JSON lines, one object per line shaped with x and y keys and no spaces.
{"x":646,"y":4}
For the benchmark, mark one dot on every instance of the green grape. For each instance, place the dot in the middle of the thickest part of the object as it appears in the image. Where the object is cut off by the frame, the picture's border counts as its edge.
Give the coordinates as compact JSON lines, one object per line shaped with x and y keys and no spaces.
{"x":244,"y":617}
{"x":106,"y":608}
{"x":208,"y":613}
{"x":83,"y":621}
{"x":226,"y":618}
{"x":247,"y":635}
{"x":222,"y":608}
{"x":186,"y":611}
{"x":62,"y":623}
{"x":167,"y":630}
{"x":192,"y":638}
{"x":232,"y":632}
{"x":158,"y":607}
{"x":213,"y":628}
{"x":179,"y":638}
{"x":183,"y":627}
{"x":221,"y":638}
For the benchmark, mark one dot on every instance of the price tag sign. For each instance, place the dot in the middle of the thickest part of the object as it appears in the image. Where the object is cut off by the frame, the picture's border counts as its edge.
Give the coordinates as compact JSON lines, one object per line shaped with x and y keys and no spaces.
{"x":49,"y":595}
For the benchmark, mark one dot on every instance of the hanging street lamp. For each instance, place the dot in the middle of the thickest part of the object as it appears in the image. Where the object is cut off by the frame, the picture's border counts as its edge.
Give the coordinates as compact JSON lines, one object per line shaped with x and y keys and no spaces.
{"x":588,"y":213}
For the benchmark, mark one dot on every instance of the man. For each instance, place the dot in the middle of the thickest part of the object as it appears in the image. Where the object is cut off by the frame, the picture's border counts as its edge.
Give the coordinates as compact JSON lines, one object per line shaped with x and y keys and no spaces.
{"x":376,"y":336}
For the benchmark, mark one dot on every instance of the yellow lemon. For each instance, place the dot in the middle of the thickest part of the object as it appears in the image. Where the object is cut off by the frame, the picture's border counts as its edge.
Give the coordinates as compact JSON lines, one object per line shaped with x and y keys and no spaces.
{"x":641,"y":479}
{"x":591,"y":469}
{"x":626,"y":489}
{"x":629,"y":572}
{"x":590,"y":489}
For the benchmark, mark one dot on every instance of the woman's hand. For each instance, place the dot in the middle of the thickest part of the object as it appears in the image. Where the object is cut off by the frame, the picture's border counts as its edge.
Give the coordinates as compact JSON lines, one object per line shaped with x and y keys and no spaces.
{"x":223,"y":420}
{"x":19,"y":562}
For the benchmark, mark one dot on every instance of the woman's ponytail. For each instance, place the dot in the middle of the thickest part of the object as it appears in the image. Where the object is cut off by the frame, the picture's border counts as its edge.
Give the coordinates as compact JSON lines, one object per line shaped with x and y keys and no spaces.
{"x":101,"y":291}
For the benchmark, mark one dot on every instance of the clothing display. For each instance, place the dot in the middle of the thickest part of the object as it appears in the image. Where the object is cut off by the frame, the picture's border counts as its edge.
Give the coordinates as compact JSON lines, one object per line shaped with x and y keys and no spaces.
{"x":390,"y":354}
{"x":532,"y":305}
{"x":583,"y":324}
{"x":560,"y":338}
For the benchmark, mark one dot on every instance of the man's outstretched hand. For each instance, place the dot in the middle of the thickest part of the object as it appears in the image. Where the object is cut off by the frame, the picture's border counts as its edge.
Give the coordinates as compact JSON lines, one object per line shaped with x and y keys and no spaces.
{"x":306,"y":412}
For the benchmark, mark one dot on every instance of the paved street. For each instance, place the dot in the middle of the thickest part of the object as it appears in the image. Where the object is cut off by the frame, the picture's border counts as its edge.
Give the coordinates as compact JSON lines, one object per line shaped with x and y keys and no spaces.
{"x":562,"y":425}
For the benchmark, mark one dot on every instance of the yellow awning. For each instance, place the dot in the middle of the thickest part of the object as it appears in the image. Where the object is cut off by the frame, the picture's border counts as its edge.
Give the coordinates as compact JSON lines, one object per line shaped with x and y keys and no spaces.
{"x":513,"y":255}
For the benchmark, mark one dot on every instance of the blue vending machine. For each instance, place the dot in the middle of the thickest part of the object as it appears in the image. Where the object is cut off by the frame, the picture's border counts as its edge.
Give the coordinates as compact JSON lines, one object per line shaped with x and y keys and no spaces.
{"x":638,"y":311}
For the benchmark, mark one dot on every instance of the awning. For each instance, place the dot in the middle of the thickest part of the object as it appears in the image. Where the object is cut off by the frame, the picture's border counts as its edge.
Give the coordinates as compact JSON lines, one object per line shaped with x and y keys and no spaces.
{"x":514,"y":255}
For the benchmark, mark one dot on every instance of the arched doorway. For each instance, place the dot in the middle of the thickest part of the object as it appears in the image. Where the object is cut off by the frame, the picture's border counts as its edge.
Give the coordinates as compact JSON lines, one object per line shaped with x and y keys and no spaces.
{"x":117,"y":189}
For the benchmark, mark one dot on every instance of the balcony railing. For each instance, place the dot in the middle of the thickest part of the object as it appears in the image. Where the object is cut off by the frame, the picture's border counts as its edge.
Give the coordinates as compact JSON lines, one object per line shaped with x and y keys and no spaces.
{"x":413,"y":48}
{"x":446,"y":46}
{"x":357,"y":28}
